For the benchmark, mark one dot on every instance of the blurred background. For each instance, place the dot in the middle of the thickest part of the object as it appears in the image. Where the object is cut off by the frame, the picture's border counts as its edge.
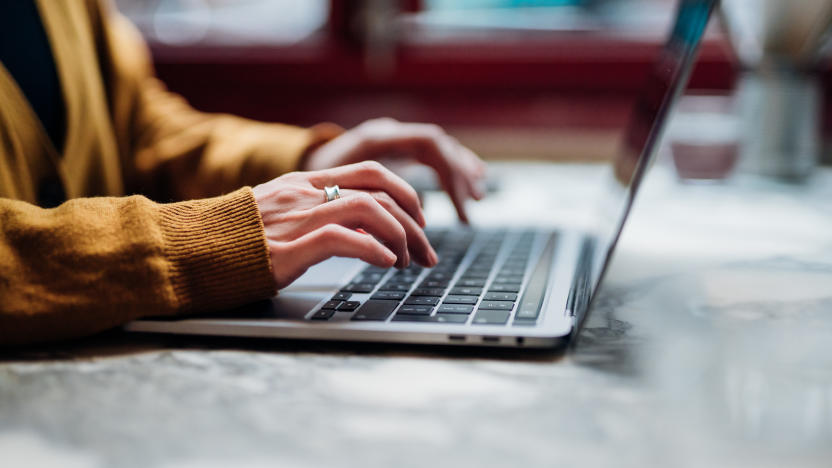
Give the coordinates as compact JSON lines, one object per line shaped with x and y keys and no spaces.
{"x":527,"y":79}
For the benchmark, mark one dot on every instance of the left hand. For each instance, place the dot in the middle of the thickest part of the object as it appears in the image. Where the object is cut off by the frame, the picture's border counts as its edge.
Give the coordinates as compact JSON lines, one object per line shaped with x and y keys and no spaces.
{"x":460,"y":171}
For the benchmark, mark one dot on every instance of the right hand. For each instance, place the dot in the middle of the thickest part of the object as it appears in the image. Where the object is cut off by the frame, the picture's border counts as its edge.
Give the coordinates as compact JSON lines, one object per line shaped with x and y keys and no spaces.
{"x":378,"y":219}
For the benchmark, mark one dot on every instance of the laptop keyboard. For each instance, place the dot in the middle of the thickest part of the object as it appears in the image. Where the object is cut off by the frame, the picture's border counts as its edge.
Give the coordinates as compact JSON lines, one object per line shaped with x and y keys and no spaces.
{"x":482,"y":278}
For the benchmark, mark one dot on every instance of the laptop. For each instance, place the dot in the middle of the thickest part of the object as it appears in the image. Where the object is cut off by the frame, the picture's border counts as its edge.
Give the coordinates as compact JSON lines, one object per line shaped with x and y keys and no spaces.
{"x":520,"y":288}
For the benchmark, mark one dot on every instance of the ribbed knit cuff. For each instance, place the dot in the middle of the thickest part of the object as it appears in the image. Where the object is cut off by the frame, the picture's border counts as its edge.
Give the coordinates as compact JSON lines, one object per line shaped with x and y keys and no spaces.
{"x":217,"y":251}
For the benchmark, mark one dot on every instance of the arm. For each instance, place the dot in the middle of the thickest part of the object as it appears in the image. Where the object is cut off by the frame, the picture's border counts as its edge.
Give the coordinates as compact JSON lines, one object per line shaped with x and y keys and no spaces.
{"x":94,"y":263}
{"x":171,"y":150}
{"x":195,"y":154}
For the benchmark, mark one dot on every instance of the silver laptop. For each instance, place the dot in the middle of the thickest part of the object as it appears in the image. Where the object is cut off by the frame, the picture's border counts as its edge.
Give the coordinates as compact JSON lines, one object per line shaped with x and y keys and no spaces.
{"x":492,"y":287}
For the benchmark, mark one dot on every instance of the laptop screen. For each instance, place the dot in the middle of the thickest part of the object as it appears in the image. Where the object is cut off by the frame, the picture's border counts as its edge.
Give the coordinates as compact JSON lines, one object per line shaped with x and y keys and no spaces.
{"x":666,"y":82}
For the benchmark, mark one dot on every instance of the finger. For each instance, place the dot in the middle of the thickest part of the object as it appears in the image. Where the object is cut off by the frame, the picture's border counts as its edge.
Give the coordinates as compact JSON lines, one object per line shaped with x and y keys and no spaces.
{"x":438,"y":150}
{"x":475,"y":173}
{"x":450,"y":177}
{"x":292,"y":259}
{"x":417,"y":242}
{"x":474,"y":165}
{"x":463,"y":168}
{"x":371,"y":175}
{"x":457,"y":190}
{"x":358,"y":210}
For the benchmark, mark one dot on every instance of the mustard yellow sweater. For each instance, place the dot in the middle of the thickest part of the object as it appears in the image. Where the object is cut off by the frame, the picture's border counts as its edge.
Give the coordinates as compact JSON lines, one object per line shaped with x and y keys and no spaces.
{"x":104,"y":258}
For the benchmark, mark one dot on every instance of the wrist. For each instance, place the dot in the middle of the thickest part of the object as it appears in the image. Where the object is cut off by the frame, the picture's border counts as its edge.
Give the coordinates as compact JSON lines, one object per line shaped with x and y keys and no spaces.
{"x":320,"y":135}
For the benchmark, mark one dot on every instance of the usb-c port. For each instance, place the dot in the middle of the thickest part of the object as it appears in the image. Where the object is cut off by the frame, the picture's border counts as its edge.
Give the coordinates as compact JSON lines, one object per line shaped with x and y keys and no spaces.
{"x":491,"y":339}
{"x":456,"y":337}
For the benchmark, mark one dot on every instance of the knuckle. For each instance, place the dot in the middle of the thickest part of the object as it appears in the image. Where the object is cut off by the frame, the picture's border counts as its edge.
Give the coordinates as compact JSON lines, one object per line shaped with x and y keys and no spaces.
{"x":429,"y":144}
{"x":295,"y":175}
{"x":373,"y":167}
{"x":383,"y":199}
{"x":329,"y":233}
{"x":432,"y":132}
{"x":378,"y":122}
{"x":363,"y":201}
{"x":401,"y":233}
{"x":367,"y":242}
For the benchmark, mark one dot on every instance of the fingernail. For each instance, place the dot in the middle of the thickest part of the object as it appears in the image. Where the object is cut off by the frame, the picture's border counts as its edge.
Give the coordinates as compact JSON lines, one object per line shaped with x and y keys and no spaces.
{"x":390,"y":257}
{"x":434,"y":259}
{"x":480,"y":190}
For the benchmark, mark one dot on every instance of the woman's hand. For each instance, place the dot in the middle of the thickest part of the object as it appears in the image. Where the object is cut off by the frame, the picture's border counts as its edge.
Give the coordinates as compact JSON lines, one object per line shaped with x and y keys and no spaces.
{"x":460,"y":171}
{"x":378,"y":219}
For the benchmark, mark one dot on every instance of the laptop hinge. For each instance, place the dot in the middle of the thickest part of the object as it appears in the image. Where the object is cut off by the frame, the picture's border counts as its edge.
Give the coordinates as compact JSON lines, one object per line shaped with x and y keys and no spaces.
{"x":579,"y":293}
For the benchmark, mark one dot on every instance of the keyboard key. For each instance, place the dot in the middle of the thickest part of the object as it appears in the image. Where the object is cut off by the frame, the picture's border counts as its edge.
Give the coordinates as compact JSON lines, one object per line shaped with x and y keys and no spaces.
{"x":520,"y":322}
{"x":491,"y":317}
{"x":413,"y":269}
{"x":435,"y":292}
{"x":433,"y":284}
{"x":476,"y":274}
{"x":359,"y":287}
{"x":374,"y":269}
{"x":508,"y":279}
{"x":333,"y":304}
{"x":438,"y":318}
{"x":341,"y":296}
{"x":466,"y":291}
{"x":422,"y":300}
{"x":528,"y":309}
{"x":460,"y":300}
{"x":368,"y":278}
{"x":323,"y":314}
{"x":375,"y":310}
{"x":390,"y":286}
{"x":396,"y":279}
{"x":389,"y":295}
{"x":474,"y":283}
{"x":511,"y":272}
{"x":450,"y":318}
{"x":456,"y":309}
{"x":527,"y":312}
{"x":500,"y":296}
{"x":415,"y":309}
{"x":439,"y":276}
{"x":505,"y":287}
{"x":445,"y":268}
{"x":348,"y":306}
{"x":496,"y":305}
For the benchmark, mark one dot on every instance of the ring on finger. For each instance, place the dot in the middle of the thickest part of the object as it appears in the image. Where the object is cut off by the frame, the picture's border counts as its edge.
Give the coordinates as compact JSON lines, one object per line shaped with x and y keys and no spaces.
{"x":331,"y":193}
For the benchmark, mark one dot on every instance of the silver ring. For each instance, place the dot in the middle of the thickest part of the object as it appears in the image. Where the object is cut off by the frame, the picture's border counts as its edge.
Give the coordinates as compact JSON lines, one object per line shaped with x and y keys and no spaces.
{"x":332,"y":193}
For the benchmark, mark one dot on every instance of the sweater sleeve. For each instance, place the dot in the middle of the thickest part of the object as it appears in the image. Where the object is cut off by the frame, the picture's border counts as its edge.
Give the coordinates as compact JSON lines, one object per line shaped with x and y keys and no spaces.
{"x":188,"y":153}
{"x":94,"y":263}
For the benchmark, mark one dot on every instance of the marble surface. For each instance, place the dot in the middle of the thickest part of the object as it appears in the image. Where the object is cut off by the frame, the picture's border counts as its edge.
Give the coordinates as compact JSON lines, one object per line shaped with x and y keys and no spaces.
{"x":710,"y":345}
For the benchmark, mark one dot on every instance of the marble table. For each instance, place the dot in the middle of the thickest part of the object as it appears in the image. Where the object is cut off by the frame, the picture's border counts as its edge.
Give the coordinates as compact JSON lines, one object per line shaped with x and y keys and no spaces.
{"x":709,"y":345}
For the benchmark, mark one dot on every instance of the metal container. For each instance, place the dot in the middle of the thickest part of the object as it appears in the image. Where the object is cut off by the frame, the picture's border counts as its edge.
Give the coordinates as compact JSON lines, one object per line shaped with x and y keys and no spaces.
{"x":779,"y":44}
